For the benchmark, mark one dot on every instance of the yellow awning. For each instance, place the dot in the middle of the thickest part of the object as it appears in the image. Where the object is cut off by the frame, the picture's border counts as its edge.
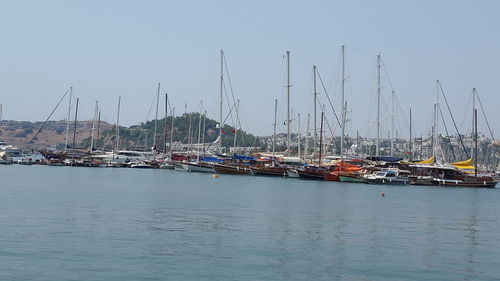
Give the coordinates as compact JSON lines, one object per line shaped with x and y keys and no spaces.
{"x":428,"y":161}
{"x":467,"y":162}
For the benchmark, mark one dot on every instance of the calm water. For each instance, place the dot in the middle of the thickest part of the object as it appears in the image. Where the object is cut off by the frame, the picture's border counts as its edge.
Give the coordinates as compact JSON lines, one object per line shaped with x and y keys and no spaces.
{"x":64,"y":223}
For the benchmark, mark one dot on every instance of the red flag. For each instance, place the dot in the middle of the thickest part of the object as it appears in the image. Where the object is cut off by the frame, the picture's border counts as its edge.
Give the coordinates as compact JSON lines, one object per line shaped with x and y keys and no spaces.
{"x":233,"y":130}
{"x":222,"y":131}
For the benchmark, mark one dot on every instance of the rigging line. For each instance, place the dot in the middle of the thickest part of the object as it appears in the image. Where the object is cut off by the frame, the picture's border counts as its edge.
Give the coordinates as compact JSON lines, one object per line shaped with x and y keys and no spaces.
{"x":331,"y":104}
{"x":328,"y":97}
{"x":453,"y":119}
{"x":305,"y":61}
{"x":447,"y":134}
{"x":238,"y":121}
{"x":228,"y":104}
{"x":414,"y":86}
{"x":145,"y":122}
{"x":386,"y":74}
{"x":230,"y":86}
{"x":471,"y":96}
{"x":50,"y":115}
{"x":222,"y":123}
{"x":331,"y":132}
{"x":484,"y":114}
{"x":361,"y":51}
{"x":401,"y":109}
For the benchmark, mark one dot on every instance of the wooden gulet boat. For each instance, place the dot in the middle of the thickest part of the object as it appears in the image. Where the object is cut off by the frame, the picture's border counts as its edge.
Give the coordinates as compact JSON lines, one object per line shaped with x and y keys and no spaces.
{"x":234,"y":169}
{"x":274,"y":171}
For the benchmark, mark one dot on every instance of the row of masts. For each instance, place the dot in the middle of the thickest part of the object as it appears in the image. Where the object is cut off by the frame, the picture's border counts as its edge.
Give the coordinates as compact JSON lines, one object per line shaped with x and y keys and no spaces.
{"x":437,"y":113}
{"x":342,"y":122}
{"x":315,"y":102}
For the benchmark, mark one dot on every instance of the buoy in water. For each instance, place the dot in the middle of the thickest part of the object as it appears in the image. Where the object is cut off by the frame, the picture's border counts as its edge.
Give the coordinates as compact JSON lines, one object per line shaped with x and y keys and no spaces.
{"x":215,"y":176}
{"x":382,"y":194}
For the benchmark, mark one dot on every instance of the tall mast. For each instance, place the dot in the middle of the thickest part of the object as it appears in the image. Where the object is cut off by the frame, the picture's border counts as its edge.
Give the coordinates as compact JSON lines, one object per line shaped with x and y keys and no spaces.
{"x":315,"y":101}
{"x":392,"y":124}
{"x":1,"y":112}
{"x":199,"y":132}
{"x":288,"y":100}
{"x":473,"y":122}
{"x":342,"y":83}
{"x":221,"y":90}
{"x":203,"y":135}
{"x":117,"y":125}
{"x":165,"y":127}
{"x":306,"y":148}
{"x":156,"y":117}
{"x":274,"y":126}
{"x":98,"y":125}
{"x":172,"y":131}
{"x":434,"y":131}
{"x":475,"y":142}
{"x":67,"y":120}
{"x":357,"y":142}
{"x":236,"y":125}
{"x":76,"y":118}
{"x":377,"y":152}
{"x":320,"y":138}
{"x":93,"y":127}
{"x":411,"y":147}
{"x":299,"y":135}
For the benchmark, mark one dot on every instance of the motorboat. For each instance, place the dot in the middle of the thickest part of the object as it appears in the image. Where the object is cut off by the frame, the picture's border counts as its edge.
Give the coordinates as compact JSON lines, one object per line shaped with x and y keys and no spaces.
{"x":394,"y":177}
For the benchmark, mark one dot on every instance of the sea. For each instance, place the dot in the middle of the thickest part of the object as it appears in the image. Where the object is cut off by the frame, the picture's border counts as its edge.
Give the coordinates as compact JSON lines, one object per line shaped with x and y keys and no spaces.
{"x":74,"y":223}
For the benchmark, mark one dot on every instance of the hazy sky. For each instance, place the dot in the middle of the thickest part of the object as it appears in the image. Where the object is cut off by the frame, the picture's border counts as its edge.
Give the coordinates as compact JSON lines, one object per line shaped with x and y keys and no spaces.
{"x":105,"y":49}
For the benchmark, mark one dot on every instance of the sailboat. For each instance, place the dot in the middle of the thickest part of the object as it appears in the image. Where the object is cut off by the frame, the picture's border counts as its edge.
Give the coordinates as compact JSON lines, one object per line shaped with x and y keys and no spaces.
{"x":461,"y":174}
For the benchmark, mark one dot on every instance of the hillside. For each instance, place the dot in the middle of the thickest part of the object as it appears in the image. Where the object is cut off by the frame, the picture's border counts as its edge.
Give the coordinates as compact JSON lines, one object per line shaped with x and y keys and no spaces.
{"x":140,"y":136}
{"x":53,"y":135}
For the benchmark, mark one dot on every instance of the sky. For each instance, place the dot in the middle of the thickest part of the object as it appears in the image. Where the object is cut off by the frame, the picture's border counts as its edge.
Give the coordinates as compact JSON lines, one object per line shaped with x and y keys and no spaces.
{"x":107,"y":49}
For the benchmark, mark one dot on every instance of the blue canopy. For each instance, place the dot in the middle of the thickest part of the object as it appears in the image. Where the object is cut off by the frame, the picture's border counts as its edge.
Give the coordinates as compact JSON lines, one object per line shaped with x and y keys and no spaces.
{"x":244,"y":157}
{"x":384,"y":159}
{"x":211,"y":159}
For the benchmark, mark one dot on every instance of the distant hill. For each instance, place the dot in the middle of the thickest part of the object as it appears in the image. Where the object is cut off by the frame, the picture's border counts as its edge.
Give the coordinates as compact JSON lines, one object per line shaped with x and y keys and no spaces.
{"x":53,"y":135}
{"x":139,"y":137}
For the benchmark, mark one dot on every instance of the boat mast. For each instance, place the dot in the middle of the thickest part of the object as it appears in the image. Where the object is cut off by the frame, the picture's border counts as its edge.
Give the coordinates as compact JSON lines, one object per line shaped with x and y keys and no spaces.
{"x":203,"y":135}
{"x":377,"y":152}
{"x":434,"y":127}
{"x":274,"y":126}
{"x":76,"y":117}
{"x":475,"y":142}
{"x":199,"y":132}
{"x":342,"y":83}
{"x":473,"y":122}
{"x":67,"y":120}
{"x":98,"y":125}
{"x":117,"y":125}
{"x":221,"y":91}
{"x":236,"y":124}
{"x":156,"y":117}
{"x":93,"y":128}
{"x":392,"y":123}
{"x":320,"y":138}
{"x":315,"y":96}
{"x":411,"y":147}
{"x":288,"y":100}
{"x":165,"y":127}
{"x":299,"y":135}
{"x":306,"y":147}
{"x":172,"y":131}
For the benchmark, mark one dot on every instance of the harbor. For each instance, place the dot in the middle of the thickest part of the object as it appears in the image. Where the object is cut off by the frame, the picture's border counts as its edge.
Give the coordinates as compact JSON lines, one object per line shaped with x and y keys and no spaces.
{"x":249,"y":140}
